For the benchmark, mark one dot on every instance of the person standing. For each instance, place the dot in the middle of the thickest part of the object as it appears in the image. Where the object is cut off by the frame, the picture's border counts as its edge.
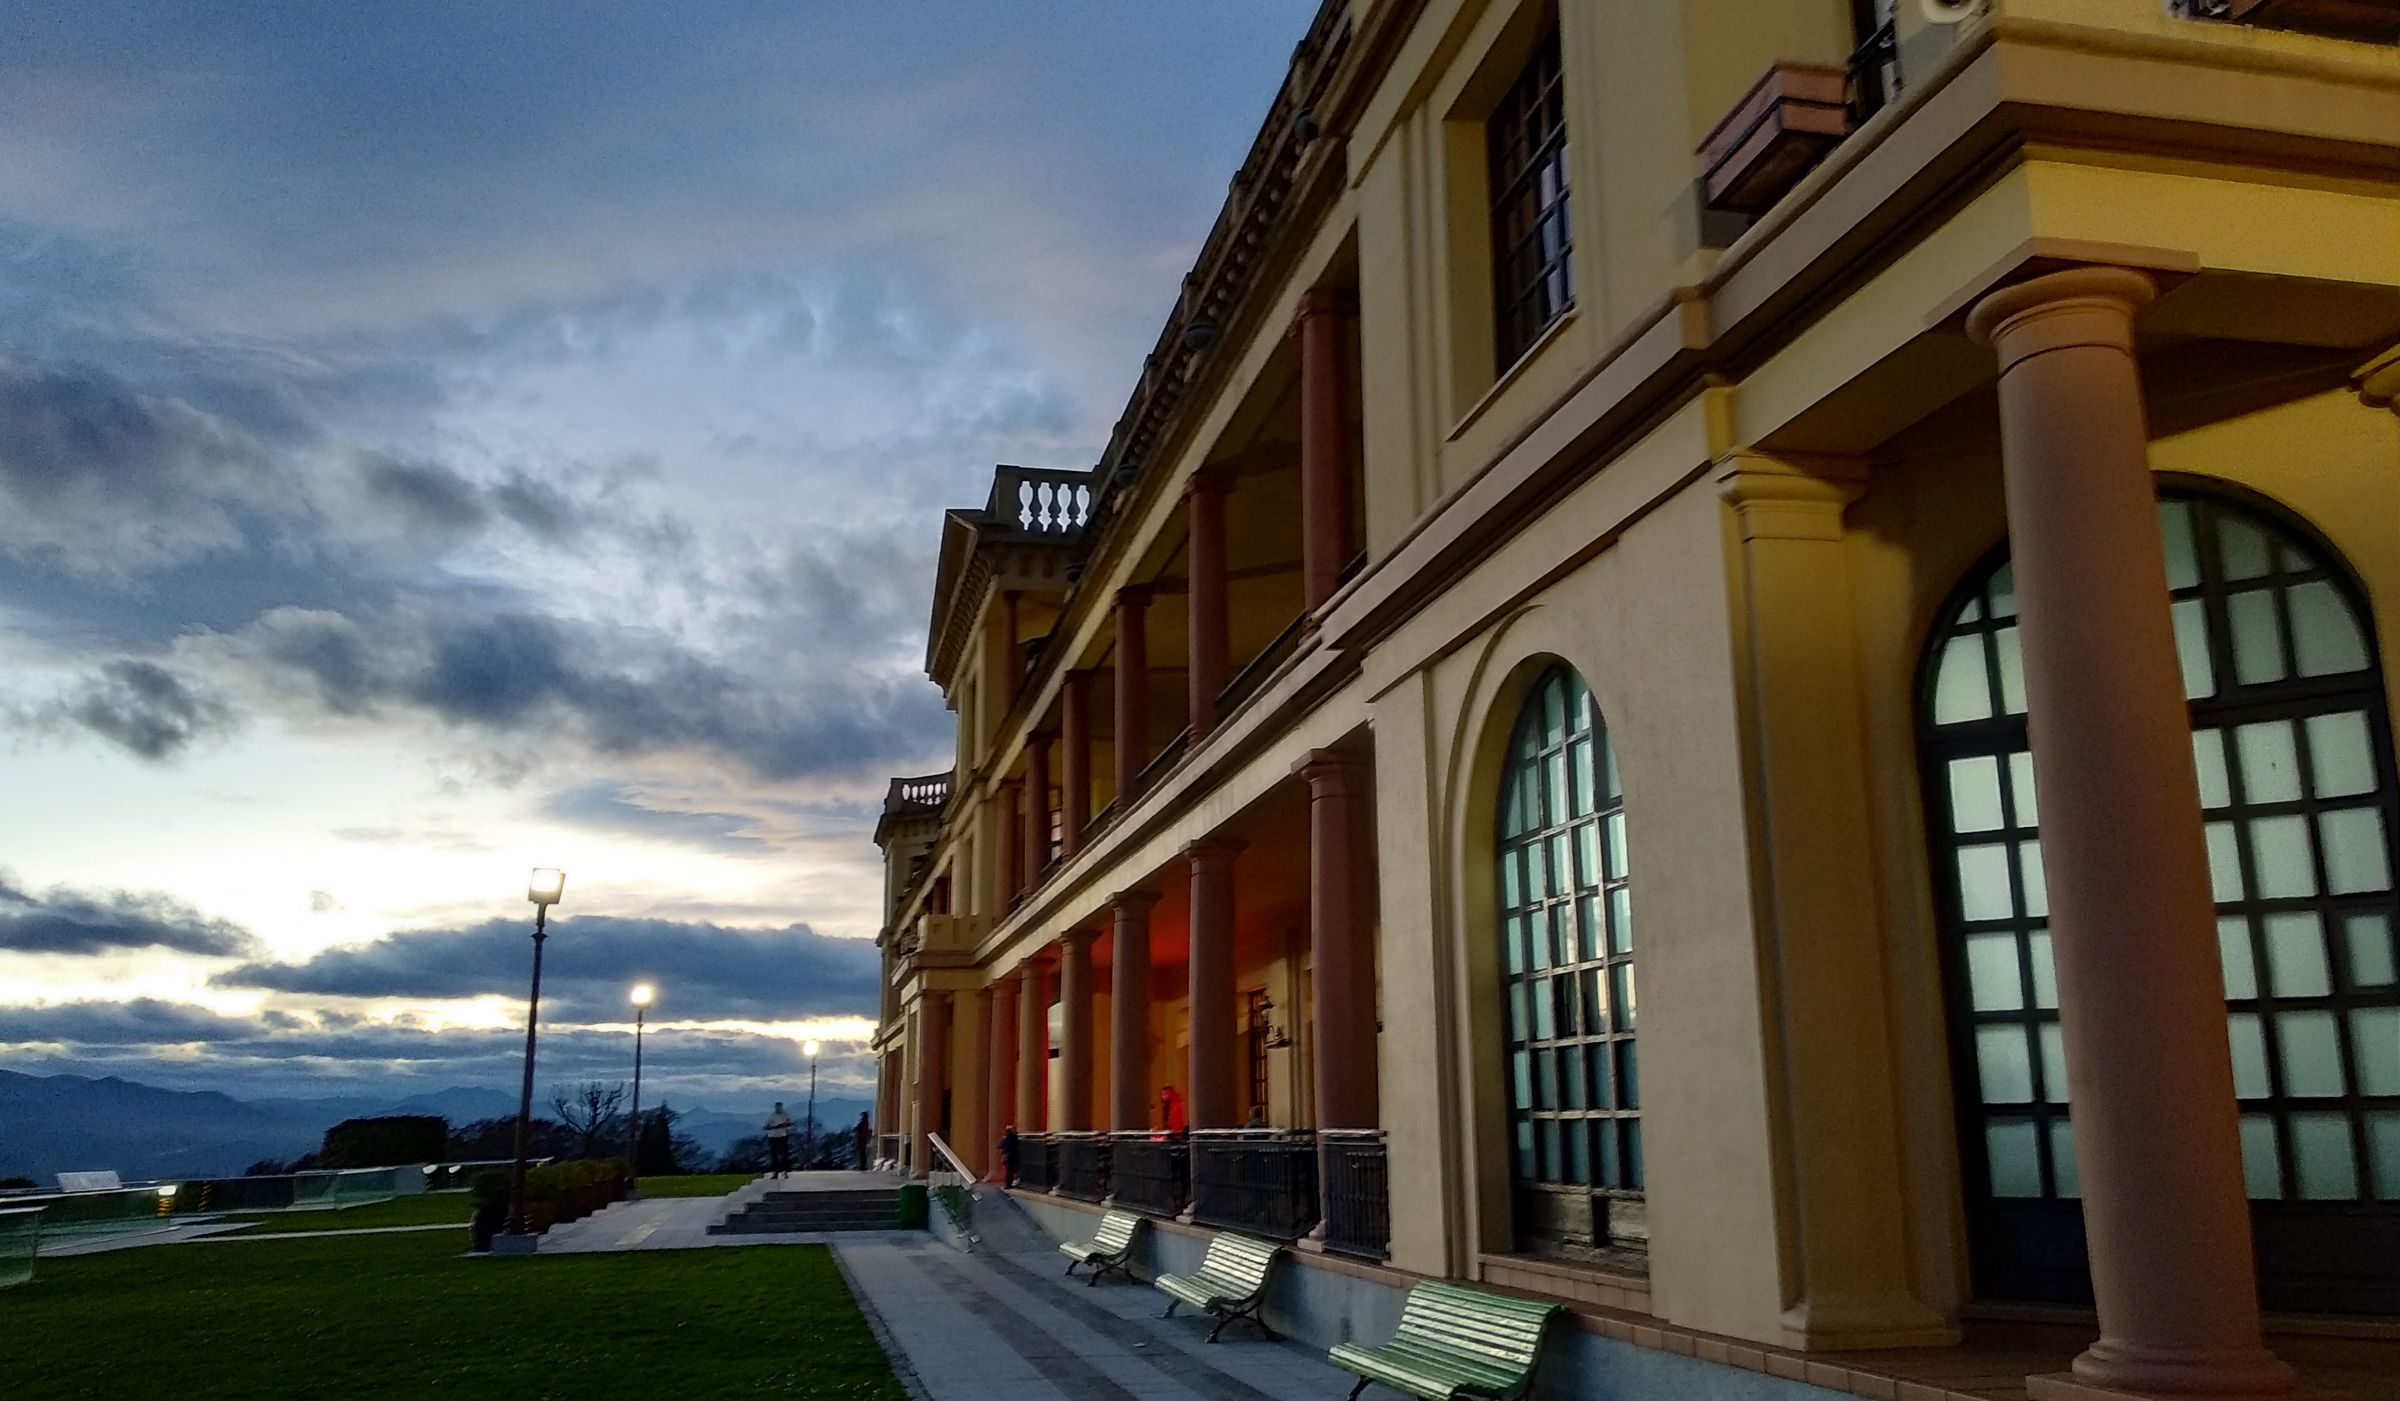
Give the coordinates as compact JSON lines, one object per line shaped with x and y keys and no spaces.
{"x":862,"y":1140}
{"x":779,"y":1141}
{"x":1010,"y":1146}
{"x":1170,"y":1112}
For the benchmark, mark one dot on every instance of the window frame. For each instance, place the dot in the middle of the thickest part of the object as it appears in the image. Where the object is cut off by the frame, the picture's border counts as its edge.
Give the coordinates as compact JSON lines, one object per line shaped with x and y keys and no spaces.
{"x":1524,"y":159}
{"x":2297,"y":556}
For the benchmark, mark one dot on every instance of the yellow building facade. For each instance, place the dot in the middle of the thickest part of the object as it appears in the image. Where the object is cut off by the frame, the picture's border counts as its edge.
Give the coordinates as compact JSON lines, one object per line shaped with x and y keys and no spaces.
{"x":1733,"y":664}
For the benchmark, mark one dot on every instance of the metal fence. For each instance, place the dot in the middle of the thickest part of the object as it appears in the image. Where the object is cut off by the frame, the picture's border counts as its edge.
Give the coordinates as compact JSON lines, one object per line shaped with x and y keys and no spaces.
{"x":1150,"y":1172}
{"x":1083,"y":1165}
{"x":1259,"y":1180}
{"x":1037,"y":1162}
{"x":1358,"y":1193}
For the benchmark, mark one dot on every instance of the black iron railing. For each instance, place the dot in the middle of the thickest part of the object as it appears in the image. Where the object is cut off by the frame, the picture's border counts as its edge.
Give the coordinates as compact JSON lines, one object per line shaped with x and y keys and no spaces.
{"x":1037,"y":1162}
{"x":1259,"y":1180}
{"x":1874,"y":74}
{"x":1255,"y":672}
{"x":1150,"y":1172}
{"x":1157,"y":768}
{"x":1083,"y":1165}
{"x":1358,"y":1193}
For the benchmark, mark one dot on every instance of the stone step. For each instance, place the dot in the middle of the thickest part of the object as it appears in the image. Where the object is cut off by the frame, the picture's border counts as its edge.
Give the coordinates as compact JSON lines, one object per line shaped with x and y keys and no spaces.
{"x":750,"y":1225}
{"x":866,"y":1198}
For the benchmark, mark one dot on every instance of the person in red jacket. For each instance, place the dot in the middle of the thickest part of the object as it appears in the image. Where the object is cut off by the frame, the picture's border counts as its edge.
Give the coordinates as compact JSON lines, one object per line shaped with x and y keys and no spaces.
{"x":1170,"y":1111}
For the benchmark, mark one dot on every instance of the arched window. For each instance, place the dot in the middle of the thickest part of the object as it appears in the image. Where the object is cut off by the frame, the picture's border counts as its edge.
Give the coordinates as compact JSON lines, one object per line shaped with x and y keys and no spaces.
{"x":2294,"y":750}
{"x":1566,"y":973}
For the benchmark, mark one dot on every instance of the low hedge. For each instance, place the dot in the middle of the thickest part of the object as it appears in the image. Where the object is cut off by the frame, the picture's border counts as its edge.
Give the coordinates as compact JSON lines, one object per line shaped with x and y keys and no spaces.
{"x":555,"y":1193}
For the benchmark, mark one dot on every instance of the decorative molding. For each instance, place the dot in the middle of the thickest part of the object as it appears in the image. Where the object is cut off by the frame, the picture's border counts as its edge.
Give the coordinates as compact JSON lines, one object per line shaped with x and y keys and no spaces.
{"x":2378,"y":381}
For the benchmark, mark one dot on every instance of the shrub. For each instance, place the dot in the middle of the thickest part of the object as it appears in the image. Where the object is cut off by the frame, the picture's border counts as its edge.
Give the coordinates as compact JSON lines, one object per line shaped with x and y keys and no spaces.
{"x":555,"y":1193}
{"x":386,"y":1142}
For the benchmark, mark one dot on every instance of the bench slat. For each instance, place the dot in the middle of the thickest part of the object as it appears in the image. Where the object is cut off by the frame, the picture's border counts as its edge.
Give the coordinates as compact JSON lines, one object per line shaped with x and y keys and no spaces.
{"x":1454,"y":1341}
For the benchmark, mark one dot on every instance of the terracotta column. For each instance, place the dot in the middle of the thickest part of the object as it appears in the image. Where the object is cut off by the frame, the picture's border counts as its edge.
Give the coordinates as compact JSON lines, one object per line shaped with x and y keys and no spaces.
{"x":1074,"y":1115}
{"x":1000,"y":1081}
{"x":1204,"y":511}
{"x":1133,"y":689}
{"x":1341,"y":932}
{"x":1075,"y":761}
{"x":1011,"y":851}
{"x":1324,"y":325}
{"x":2132,"y":924}
{"x":1037,"y":805}
{"x":1209,"y":1080}
{"x":933,"y":1018}
{"x":1129,"y":1087}
{"x":1033,"y":1049}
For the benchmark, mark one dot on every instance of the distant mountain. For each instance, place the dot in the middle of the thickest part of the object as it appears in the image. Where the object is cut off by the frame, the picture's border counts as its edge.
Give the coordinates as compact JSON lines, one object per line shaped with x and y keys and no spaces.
{"x":63,"y":1123}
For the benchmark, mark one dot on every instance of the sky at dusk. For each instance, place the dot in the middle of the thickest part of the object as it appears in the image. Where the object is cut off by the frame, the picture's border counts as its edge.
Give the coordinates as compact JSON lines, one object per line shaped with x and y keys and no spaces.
{"x":439,"y":439}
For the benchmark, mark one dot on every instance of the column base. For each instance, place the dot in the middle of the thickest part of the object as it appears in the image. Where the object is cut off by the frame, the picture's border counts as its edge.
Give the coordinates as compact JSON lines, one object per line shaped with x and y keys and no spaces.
{"x":2066,"y":1386}
{"x":1840,"y":1325}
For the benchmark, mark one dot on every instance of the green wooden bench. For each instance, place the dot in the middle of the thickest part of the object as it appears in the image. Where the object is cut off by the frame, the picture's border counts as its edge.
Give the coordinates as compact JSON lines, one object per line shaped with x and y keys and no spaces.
{"x":1455,"y":1342}
{"x":1110,"y":1248}
{"x":1231,"y":1282}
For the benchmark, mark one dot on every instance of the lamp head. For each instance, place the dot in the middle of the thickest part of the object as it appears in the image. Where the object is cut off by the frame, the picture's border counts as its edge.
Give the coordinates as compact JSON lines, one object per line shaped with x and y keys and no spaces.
{"x":810,"y":1050}
{"x":547,"y":885}
{"x":642,"y":993}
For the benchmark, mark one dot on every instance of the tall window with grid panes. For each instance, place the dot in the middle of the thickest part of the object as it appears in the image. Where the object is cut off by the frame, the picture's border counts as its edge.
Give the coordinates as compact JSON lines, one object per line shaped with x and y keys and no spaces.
{"x":2293,"y":745}
{"x":1567,"y":979}
{"x":1533,"y":281}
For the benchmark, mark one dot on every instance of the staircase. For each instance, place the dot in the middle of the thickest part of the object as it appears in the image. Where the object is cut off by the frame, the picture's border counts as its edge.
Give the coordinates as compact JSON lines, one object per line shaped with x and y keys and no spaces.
{"x":776,"y":1211}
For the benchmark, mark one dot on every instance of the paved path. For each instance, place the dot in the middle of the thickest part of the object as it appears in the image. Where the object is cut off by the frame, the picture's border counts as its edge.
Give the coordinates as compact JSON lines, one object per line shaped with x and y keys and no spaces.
{"x":675,"y":1223}
{"x":1002,"y":1325}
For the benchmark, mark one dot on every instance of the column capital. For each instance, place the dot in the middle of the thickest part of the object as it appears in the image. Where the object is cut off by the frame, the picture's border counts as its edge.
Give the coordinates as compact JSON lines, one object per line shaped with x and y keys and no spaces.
{"x":1213,"y":848}
{"x":1128,"y":903}
{"x":1332,"y":770}
{"x":1326,"y":301}
{"x":1134,"y":595}
{"x":1077,"y":938}
{"x":1789,"y":498}
{"x":1208,"y":481}
{"x":2378,"y":381}
{"x":2087,"y":306}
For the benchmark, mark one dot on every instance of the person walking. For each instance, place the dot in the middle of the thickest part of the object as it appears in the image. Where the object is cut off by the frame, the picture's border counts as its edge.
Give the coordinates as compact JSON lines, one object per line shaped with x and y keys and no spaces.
{"x":862,"y":1139}
{"x":1010,"y":1146}
{"x":779,"y":1141}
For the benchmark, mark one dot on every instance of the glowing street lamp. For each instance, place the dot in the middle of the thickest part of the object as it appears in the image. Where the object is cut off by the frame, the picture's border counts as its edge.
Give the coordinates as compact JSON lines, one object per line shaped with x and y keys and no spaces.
{"x":642,"y":993}
{"x":810,"y":1050}
{"x":544,"y":889}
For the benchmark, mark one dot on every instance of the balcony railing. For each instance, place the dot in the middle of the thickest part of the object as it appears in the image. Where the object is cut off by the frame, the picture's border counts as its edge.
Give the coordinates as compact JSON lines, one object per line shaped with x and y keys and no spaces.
{"x":1037,"y":1162}
{"x":1157,"y":768}
{"x":1042,"y":502}
{"x":1259,"y":1180}
{"x":1253,"y":675}
{"x":1358,"y":1193}
{"x":1150,"y":1172}
{"x":1083,"y":1166}
{"x":1874,"y":74}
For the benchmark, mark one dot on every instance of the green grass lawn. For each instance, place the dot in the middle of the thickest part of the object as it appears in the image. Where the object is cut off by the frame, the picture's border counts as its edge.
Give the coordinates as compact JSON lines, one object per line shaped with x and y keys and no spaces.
{"x":433,"y":1208}
{"x":408,"y":1316}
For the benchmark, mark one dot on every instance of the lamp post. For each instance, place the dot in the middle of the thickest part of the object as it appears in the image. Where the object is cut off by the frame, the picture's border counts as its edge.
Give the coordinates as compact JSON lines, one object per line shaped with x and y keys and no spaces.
{"x":543,"y":890}
{"x":642,"y":993}
{"x":811,"y":1050}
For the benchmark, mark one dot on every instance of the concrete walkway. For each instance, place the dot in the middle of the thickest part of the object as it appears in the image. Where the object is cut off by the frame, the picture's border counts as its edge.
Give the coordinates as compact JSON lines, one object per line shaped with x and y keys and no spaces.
{"x":1001,"y":1324}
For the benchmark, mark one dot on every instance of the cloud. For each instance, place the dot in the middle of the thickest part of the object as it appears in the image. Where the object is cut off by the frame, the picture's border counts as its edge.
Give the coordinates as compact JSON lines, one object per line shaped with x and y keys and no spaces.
{"x":706,"y":972}
{"x":616,"y":807}
{"x":312,"y":1054}
{"x":502,"y":671}
{"x":101,"y":479}
{"x":64,"y":921}
{"x":142,"y":708}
